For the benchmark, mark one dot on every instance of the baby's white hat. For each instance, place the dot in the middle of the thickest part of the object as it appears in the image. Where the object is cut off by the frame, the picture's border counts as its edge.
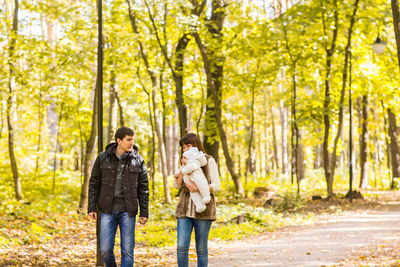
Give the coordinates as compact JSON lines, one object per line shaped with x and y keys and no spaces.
{"x":193,"y":153}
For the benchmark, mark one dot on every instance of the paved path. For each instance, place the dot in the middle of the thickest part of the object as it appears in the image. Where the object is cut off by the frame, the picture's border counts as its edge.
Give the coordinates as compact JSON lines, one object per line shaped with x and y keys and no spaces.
{"x":322,"y":244}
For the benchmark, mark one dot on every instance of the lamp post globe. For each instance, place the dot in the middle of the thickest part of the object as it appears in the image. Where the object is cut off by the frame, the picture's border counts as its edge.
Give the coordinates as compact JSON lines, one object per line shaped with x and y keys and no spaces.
{"x":378,"y":46}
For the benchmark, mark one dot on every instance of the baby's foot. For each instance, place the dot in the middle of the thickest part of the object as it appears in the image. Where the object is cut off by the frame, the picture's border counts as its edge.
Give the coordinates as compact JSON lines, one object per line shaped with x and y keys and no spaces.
{"x":206,"y":199}
{"x":201,"y":208}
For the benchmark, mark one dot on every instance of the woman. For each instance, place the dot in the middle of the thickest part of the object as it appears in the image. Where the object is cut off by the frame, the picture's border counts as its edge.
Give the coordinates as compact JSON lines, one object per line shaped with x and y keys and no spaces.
{"x":186,"y":213}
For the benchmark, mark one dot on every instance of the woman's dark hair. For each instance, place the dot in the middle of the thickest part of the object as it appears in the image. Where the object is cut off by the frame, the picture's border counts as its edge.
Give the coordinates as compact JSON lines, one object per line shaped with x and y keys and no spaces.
{"x":122,"y":132}
{"x":191,"y":139}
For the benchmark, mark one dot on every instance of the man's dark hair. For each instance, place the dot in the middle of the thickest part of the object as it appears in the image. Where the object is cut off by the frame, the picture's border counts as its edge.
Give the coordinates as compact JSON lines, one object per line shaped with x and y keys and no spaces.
{"x":122,"y":132}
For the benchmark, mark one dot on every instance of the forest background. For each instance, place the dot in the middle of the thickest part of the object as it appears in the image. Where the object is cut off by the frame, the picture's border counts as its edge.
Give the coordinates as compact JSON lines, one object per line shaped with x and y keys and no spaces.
{"x":287,"y":95}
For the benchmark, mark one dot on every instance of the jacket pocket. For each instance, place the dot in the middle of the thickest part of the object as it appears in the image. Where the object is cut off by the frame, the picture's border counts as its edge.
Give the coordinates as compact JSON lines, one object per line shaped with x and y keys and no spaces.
{"x":107,"y":171}
{"x":133,"y":174}
{"x":134,"y":169}
{"x":106,"y":166}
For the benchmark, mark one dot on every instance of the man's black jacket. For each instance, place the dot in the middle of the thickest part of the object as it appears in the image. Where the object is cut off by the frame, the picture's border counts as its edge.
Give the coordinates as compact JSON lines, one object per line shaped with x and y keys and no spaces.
{"x":134,"y":181}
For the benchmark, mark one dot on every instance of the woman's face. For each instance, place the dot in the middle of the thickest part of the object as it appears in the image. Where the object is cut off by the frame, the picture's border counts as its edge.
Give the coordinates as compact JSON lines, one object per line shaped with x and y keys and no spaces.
{"x":186,"y":147}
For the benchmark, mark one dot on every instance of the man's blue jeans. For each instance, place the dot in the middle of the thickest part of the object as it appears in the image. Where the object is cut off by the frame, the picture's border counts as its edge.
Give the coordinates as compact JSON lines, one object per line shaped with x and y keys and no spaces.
{"x":201,"y":231}
{"x":108,"y":228}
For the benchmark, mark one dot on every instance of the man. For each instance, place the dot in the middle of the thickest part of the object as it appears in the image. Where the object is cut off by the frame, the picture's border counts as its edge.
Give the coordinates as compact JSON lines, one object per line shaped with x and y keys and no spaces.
{"x":117,"y":184}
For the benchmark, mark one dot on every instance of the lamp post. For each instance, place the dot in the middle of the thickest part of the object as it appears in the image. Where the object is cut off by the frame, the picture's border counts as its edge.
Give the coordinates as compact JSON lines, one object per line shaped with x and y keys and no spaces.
{"x":350,"y":134}
{"x":99,"y":260}
{"x":378,"y":47}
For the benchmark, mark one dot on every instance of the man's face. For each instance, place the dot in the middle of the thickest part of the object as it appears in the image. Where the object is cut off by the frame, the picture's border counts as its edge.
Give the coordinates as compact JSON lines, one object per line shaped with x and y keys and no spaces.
{"x":126,"y":144}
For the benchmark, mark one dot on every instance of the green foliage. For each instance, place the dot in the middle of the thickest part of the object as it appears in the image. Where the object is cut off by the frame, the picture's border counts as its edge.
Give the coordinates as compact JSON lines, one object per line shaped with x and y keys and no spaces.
{"x":288,"y":201}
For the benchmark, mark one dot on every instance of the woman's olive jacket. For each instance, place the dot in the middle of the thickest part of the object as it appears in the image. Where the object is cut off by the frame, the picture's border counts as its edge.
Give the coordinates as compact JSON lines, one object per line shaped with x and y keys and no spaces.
{"x":134,"y":181}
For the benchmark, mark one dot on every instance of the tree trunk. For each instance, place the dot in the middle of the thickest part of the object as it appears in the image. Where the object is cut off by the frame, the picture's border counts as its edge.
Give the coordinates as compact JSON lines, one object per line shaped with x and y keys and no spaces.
{"x":329,"y":55}
{"x":300,"y":167}
{"x":83,"y":202}
{"x":40,"y":121}
{"x":40,"y":111}
{"x":396,"y":25}
{"x":364,"y":144}
{"x":169,"y":147}
{"x":163,"y":111}
{"x":153,"y":148}
{"x":178,"y":79}
{"x":190,"y":119}
{"x":11,"y":103}
{"x":258,"y":155}
{"x":319,"y":152}
{"x":210,"y":141}
{"x":151,"y":163}
{"x":216,"y":59}
{"x":161,"y":147}
{"x":152,"y":75}
{"x":81,"y":138}
{"x":52,"y":117}
{"x":233,"y":146}
{"x":343,"y":91}
{"x":175,"y":143}
{"x":298,"y":146}
{"x":295,"y":140}
{"x":218,"y":113}
{"x":274,"y":141}
{"x":2,"y":114}
{"x":394,"y":146}
{"x":388,"y":151}
{"x":58,"y":147}
{"x":317,"y":159}
{"x":111,"y":107}
{"x":177,"y":70}
{"x":250,"y":166}
{"x":392,"y":119}
{"x":268,"y":160}
{"x":156,"y":129}
{"x":120,"y":109}
{"x":284,"y":139}
{"x":328,"y":178}
{"x":376,"y":154}
{"x":203,"y":100}
{"x":351,"y":151}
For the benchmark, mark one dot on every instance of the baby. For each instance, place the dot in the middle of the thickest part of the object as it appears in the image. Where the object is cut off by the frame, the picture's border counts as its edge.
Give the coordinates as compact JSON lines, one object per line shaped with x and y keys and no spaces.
{"x":192,"y":161}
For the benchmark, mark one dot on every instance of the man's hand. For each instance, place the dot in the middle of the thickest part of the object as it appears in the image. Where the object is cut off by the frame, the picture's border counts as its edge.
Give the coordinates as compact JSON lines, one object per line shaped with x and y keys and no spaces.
{"x":142,"y":220}
{"x":93,"y":215}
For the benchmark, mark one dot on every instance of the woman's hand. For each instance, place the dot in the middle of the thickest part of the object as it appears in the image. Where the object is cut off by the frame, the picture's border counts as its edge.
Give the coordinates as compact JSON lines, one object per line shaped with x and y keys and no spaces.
{"x":178,"y":175}
{"x":192,"y":187}
{"x":179,"y":178}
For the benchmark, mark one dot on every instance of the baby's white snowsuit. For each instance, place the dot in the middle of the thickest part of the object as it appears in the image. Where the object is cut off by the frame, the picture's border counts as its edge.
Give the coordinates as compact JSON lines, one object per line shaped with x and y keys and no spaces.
{"x":192,"y":172}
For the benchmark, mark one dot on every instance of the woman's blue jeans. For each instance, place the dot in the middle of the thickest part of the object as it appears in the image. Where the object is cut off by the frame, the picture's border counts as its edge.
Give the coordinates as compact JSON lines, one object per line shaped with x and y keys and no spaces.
{"x":108,"y":228}
{"x":201,"y":231}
